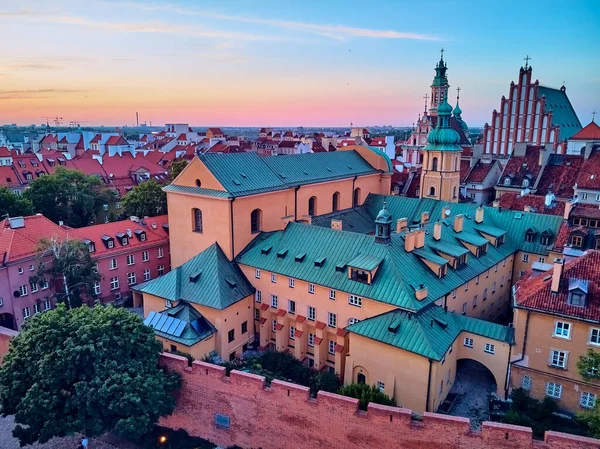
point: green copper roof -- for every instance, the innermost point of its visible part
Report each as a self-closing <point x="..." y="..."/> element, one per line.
<point x="196" y="191"/>
<point x="208" y="279"/>
<point x="247" y="173"/>
<point x="429" y="332"/>
<point x="449" y="249"/>
<point x="182" y="324"/>
<point x="365" y="262"/>
<point x="354" y="220"/>
<point x="440" y="78"/>
<point x="473" y="239"/>
<point x="490" y="230"/>
<point x="563" y="113"/>
<point x="430" y="256"/>
<point x="443" y="137"/>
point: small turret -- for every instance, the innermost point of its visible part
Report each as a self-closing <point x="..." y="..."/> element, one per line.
<point x="383" y="224"/>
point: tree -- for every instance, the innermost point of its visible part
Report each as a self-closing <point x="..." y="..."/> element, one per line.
<point x="13" y="205"/>
<point x="591" y="419"/>
<point x="68" y="261"/>
<point x="176" y="168"/>
<point x="87" y="370"/>
<point x="588" y="365"/>
<point x="365" y="394"/>
<point x="69" y="196"/>
<point x="146" y="199"/>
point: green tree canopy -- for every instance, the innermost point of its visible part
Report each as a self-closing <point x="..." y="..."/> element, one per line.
<point x="176" y="168"/>
<point x="147" y="199"/>
<point x="588" y="365"/>
<point x="13" y="205"/>
<point x="365" y="394"/>
<point x="70" y="262"/>
<point x="87" y="370"/>
<point x="69" y="196"/>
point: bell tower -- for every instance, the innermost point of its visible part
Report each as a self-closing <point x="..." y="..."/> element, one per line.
<point x="439" y="87"/>
<point x="440" y="175"/>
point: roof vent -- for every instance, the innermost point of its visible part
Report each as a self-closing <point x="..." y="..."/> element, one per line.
<point x="266" y="249"/>
<point x="282" y="253"/>
<point x="194" y="277"/>
<point x="237" y="182"/>
<point x="300" y="257"/>
<point x="232" y="283"/>
<point x="395" y="325"/>
<point x="320" y="261"/>
<point x="16" y="223"/>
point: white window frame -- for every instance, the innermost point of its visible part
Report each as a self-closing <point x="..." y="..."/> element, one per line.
<point x="311" y="316"/>
<point x="587" y="400"/>
<point x="331" y="347"/>
<point x="36" y="308"/>
<point x="160" y="252"/>
<point x="468" y="342"/>
<point x="597" y="331"/>
<point x="526" y="382"/>
<point x="273" y="278"/>
<point x="113" y="263"/>
<point x="381" y="386"/>
<point x="311" y="340"/>
<point x="562" y="329"/>
<point x="331" y="319"/>
<point x="292" y="333"/>
<point x="130" y="259"/>
<point x="311" y="289"/>
<point x="489" y="348"/>
<point x="34" y="287"/>
<point x="47" y="305"/>
<point x="145" y="256"/>
<point x="274" y="326"/>
<point x="559" y="358"/>
<point x="292" y="305"/>
<point x="258" y="296"/>
<point x="161" y="270"/>
<point x="525" y="258"/>
<point x="26" y="312"/>
<point x="130" y="278"/>
<point x="44" y="284"/>
<point x="96" y="287"/>
<point x="332" y="294"/>
<point x="146" y="274"/>
<point x="23" y="290"/>
<point x="554" y="390"/>
<point x="355" y="300"/>
<point x="291" y="283"/>
<point x="168" y="303"/>
<point x="114" y="283"/>
<point x="352" y="320"/>
<point x="257" y="274"/>
<point x="274" y="301"/>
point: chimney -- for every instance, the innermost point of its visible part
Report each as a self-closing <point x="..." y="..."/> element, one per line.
<point x="401" y="224"/>
<point x="527" y="209"/>
<point x="568" y="208"/>
<point x="458" y="223"/>
<point x="128" y="233"/>
<point x="421" y="292"/>
<point x="409" y="241"/>
<point x="424" y="217"/>
<point x="557" y="275"/>
<point x="437" y="231"/>
<point x="336" y="224"/>
<point x="479" y="215"/>
<point x="419" y="238"/>
<point x="496" y="204"/>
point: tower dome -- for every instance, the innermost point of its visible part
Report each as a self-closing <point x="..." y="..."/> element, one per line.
<point x="384" y="215"/>
<point x="383" y="224"/>
<point x="443" y="137"/>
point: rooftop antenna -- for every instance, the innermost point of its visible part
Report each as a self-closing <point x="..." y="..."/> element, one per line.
<point x="526" y="59"/>
<point x="593" y="115"/>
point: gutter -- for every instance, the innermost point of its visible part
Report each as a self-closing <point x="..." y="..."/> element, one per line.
<point x="296" y="203"/>
<point x="231" y="218"/>
<point x="352" y="194"/>
<point x="428" y="385"/>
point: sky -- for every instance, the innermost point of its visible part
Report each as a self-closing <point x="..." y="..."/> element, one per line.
<point x="285" y="63"/>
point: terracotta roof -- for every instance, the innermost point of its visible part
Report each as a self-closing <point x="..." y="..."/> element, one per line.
<point x="28" y="163"/>
<point x="317" y="147"/>
<point x="533" y="292"/>
<point x="479" y="171"/>
<point x="585" y="211"/>
<point x="560" y="174"/>
<point x="5" y="152"/>
<point x="96" y="138"/>
<point x="215" y="130"/>
<point x="63" y="140"/>
<point x="264" y="306"/>
<point x="162" y="133"/>
<point x="116" y="140"/>
<point x="515" y="201"/>
<point x="414" y="185"/>
<point x="8" y="177"/>
<point x="562" y="237"/>
<point x="520" y="167"/>
<point x="49" y="138"/>
<point x="465" y="166"/>
<point x="288" y="144"/>
<point x="80" y="145"/>
<point x="182" y="136"/>
<point x="590" y="132"/>
<point x="377" y="141"/>
<point x="155" y="233"/>
<point x="589" y="175"/>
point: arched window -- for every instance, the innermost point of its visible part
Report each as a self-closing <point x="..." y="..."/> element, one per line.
<point x="356" y="198"/>
<point x="431" y="191"/>
<point x="434" y="164"/>
<point x="421" y="158"/>
<point x="336" y="201"/>
<point x="197" y="220"/>
<point x="255" y="221"/>
<point x="312" y="206"/>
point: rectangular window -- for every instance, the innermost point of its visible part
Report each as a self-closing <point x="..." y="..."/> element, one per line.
<point x="292" y="333"/>
<point x="36" y="308"/>
<point x="526" y="382"/>
<point x="468" y="342"/>
<point x="454" y="294"/>
<point x="274" y="328"/>
<point x="331" y="347"/>
<point x="145" y="256"/>
<point x="257" y="274"/>
<point x="484" y="294"/>
<point x="381" y="386"/>
<point x="31" y="267"/>
<point x="97" y="287"/>
<point x="110" y="243"/>
<point x="595" y="336"/>
<point x="502" y="281"/>
<point x="292" y="282"/>
<point x="292" y="307"/>
<point x="332" y="294"/>
<point x="553" y="390"/>
<point x="587" y="400"/>
<point x="494" y="287"/>
<point x="312" y="313"/>
<point x="273" y="278"/>
<point x="130" y="278"/>
<point x="160" y="252"/>
<point x="477" y="280"/>
<point x="146" y="274"/>
<point x="257" y="314"/>
<point x="161" y="270"/>
<point x="118" y="205"/>
<point x="231" y="335"/>
<point x="258" y="296"/>
<point x="47" y="305"/>
<point x="466" y="286"/>
<point x="354" y="300"/>
<point x="26" y="312"/>
<point x="562" y="329"/>
<point x="474" y="301"/>
<point x="311" y="289"/>
<point x="114" y="283"/>
<point x="44" y="284"/>
<point x="34" y="287"/>
<point x="331" y="319"/>
<point x="489" y="348"/>
<point x="22" y="290"/>
<point x="464" y="308"/>
<point x="558" y="359"/>
<point x="311" y="340"/>
<point x="525" y="257"/>
<point x="130" y="259"/>
<point x="20" y="270"/>
<point x="274" y="301"/>
<point x="113" y="264"/>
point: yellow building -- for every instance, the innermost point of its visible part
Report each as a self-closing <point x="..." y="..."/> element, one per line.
<point x="557" y="320"/>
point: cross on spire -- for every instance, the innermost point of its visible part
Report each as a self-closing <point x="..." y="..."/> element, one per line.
<point x="426" y="97"/>
<point x="593" y="115"/>
<point x="457" y="93"/>
<point x="526" y="59"/>
<point x="442" y="53"/>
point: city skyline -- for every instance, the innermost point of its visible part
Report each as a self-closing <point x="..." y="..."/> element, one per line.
<point x="309" y="64"/>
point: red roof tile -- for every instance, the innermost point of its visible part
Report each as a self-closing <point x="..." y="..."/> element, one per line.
<point x="263" y="321"/>
<point x="116" y="140"/>
<point x="320" y="325"/>
<point x="585" y="211"/>
<point x="300" y="319"/>
<point x="465" y="166"/>
<point x="479" y="171"/>
<point x="8" y="177"/>
<point x="341" y="332"/>
<point x="281" y="312"/>
<point x="589" y="175"/>
<point x="515" y="201"/>
<point x="560" y="175"/>
<point x="5" y="152"/>
<point x="533" y="292"/>
<point x="182" y="136"/>
<point x="96" y="138"/>
<point x="590" y="132"/>
<point x="279" y="326"/>
<point x="215" y="130"/>
<point x="520" y="167"/>
<point x="339" y="348"/>
<point x="318" y="341"/>
<point x="299" y="333"/>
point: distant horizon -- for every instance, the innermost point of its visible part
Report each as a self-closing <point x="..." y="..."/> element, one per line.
<point x="267" y="64"/>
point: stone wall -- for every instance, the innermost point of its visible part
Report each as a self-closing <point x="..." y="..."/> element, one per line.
<point x="254" y="416"/>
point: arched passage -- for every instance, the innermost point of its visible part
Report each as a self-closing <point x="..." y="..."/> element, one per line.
<point x="8" y="321"/>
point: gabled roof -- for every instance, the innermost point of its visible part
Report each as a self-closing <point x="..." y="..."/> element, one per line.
<point x="563" y="113"/>
<point x="590" y="132"/>
<point x="182" y="324"/>
<point x="560" y="175"/>
<point x="589" y="175"/>
<point x="520" y="167"/>
<point x="479" y="172"/>
<point x="209" y="279"/>
<point x="5" y="152"/>
<point x="356" y="219"/>
<point x="247" y="173"/>
<point x="430" y="332"/>
<point x="534" y="291"/>
<point x="116" y="140"/>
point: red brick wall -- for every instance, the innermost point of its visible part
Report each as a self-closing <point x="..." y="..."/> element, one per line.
<point x="283" y="416"/>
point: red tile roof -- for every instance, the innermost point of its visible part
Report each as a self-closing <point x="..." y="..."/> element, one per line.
<point x="320" y="325"/>
<point x="116" y="140"/>
<point x="589" y="175"/>
<point x="585" y="211"/>
<point x="562" y="237"/>
<point x="281" y="312"/>
<point x="288" y="144"/>
<point x="519" y="167"/>
<point x="49" y="138"/>
<point x="560" y="174"/>
<point x="589" y="133"/>
<point x="377" y="141"/>
<point x="5" y="152"/>
<point x="182" y="136"/>
<point x="317" y="147"/>
<point x="80" y="145"/>
<point x="63" y="140"/>
<point x="264" y="306"/>
<point x="533" y="292"/>
<point x="415" y="185"/>
<point x="515" y="201"/>
<point x="465" y="166"/>
<point x="96" y="138"/>
<point x="215" y="130"/>
<point x="300" y="319"/>
<point x="8" y="177"/>
<point x="479" y="171"/>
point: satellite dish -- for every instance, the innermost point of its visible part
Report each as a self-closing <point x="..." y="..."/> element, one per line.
<point x="447" y="212"/>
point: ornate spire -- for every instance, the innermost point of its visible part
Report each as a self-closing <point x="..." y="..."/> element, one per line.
<point x="457" y="110"/>
<point x="443" y="137"/>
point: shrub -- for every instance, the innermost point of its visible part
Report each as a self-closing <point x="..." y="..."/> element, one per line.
<point x="365" y="394"/>
<point x="521" y="399"/>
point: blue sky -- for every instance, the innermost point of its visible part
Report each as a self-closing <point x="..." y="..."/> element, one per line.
<point x="285" y="63"/>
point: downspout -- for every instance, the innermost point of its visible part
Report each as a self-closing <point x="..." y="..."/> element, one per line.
<point x="231" y="218"/>
<point x="428" y="385"/>
<point x="296" y="203"/>
<point x="523" y="352"/>
<point x="352" y="196"/>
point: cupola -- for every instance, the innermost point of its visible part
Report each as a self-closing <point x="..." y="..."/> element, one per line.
<point x="383" y="224"/>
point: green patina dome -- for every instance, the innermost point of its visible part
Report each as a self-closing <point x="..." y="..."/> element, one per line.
<point x="444" y="108"/>
<point x="443" y="137"/>
<point x="457" y="111"/>
<point x="384" y="215"/>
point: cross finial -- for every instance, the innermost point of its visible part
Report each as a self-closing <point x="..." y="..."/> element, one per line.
<point x="527" y="58"/>
<point x="426" y="97"/>
<point x="442" y="52"/>
<point x="457" y="93"/>
<point x="593" y="115"/>
<point x="351" y="124"/>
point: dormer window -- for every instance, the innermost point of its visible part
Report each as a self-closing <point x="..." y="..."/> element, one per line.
<point x="359" y="275"/>
<point x="525" y="183"/>
<point x="507" y="181"/>
<point x="499" y="241"/>
<point x="482" y="250"/>
<point x="461" y="260"/>
<point x="108" y="241"/>
<point x="578" y="289"/>
<point x="141" y="235"/>
<point x="110" y="244"/>
<point x="124" y="241"/>
<point x="530" y="235"/>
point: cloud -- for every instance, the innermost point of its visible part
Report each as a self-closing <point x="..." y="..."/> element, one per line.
<point x="33" y="93"/>
<point x="327" y="30"/>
